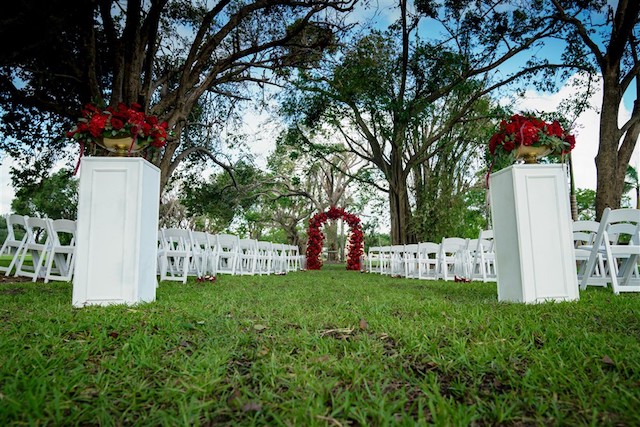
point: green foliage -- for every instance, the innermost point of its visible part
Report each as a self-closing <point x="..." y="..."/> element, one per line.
<point x="318" y="348"/>
<point x="218" y="199"/>
<point x="586" y="202"/>
<point x="54" y="197"/>
<point x="444" y="214"/>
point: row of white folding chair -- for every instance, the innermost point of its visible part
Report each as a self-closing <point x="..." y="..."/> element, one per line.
<point x="52" y="255"/>
<point x="182" y="253"/>
<point x="620" y="258"/>
<point x="452" y="257"/>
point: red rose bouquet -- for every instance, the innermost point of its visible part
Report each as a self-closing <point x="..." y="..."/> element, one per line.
<point x="529" y="131"/>
<point x="119" y="122"/>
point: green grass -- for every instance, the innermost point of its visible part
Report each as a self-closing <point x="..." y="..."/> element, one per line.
<point x="318" y="348"/>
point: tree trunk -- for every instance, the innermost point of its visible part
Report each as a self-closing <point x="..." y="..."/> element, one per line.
<point x="400" y="211"/>
<point x="331" y="240"/>
<point x="607" y="157"/>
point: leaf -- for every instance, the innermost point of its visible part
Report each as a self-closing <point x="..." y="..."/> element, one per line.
<point x="363" y="324"/>
<point x="259" y="327"/>
<point x="608" y="361"/>
<point x="114" y="334"/>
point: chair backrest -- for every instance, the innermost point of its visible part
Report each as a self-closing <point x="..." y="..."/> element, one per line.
<point x="621" y="232"/>
<point x="63" y="232"/>
<point x="584" y="232"/>
<point x="294" y="251"/>
<point x="472" y="245"/>
<point x="396" y="250"/>
<point x="16" y="227"/>
<point x="411" y="248"/>
<point x="199" y="242"/>
<point x="610" y="218"/>
<point x="278" y="249"/>
<point x="38" y="230"/>
<point x="212" y="242"/>
<point x="176" y="239"/>
<point x="451" y="245"/>
<point x="428" y="250"/>
<point x="264" y="247"/>
<point x="227" y="242"/>
<point x="248" y="245"/>
<point x="199" y="238"/>
<point x="624" y="222"/>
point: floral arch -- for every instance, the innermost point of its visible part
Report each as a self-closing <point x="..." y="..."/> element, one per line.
<point x="316" y="238"/>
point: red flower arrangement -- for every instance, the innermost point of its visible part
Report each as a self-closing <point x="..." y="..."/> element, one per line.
<point x="119" y="122"/>
<point x="533" y="132"/>
<point x="316" y="238"/>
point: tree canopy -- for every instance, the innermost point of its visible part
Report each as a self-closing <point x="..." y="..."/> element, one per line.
<point x="166" y="55"/>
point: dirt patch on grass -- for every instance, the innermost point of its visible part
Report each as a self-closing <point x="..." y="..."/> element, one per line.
<point x="7" y="280"/>
<point x="11" y="291"/>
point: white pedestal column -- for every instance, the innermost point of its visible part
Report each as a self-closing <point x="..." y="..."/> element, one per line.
<point x="117" y="235"/>
<point x="533" y="234"/>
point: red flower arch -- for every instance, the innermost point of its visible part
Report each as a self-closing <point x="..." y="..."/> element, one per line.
<point x="316" y="238"/>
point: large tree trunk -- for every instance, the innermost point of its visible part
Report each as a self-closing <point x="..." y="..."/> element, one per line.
<point x="331" y="240"/>
<point x="613" y="154"/>
<point x="400" y="211"/>
<point x="608" y="190"/>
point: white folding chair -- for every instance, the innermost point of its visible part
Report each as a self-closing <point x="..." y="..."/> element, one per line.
<point x="247" y="256"/>
<point x="396" y="256"/>
<point x="175" y="254"/>
<point x="385" y="260"/>
<point x="37" y="245"/>
<point x="293" y="257"/>
<point x="622" y="234"/>
<point x="16" y="237"/>
<point x="451" y="250"/>
<point x="228" y="250"/>
<point x="373" y="259"/>
<point x="61" y="257"/>
<point x="428" y="260"/>
<point x="584" y="234"/>
<point x="199" y="253"/>
<point x="483" y="264"/>
<point x="264" y="257"/>
<point x="621" y="259"/>
<point x="278" y="263"/>
<point x="212" y="251"/>
<point x="410" y="259"/>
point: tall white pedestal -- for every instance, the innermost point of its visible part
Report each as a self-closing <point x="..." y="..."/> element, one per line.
<point x="533" y="234"/>
<point x="117" y="235"/>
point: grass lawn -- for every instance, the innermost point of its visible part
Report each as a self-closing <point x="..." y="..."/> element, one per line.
<point x="327" y="347"/>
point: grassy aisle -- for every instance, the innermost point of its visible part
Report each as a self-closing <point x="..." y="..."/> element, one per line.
<point x="318" y="348"/>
